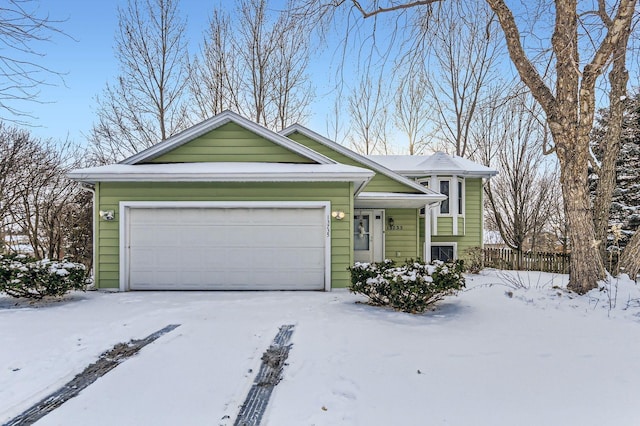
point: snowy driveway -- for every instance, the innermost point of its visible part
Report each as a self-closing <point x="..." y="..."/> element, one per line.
<point x="483" y="358"/>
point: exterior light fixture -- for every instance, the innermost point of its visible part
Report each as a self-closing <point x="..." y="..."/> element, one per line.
<point x="390" y="221"/>
<point x="337" y="214"/>
<point x="107" y="214"/>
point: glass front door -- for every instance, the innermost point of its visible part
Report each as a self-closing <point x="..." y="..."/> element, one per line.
<point x="368" y="235"/>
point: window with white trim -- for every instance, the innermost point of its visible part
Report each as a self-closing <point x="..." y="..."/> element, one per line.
<point x="460" y="197"/>
<point x="444" y="252"/>
<point x="448" y="207"/>
<point x="444" y="185"/>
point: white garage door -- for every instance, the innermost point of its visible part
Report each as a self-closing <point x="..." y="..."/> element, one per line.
<point x="226" y="248"/>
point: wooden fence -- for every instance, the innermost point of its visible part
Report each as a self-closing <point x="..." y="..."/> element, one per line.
<point x="526" y="261"/>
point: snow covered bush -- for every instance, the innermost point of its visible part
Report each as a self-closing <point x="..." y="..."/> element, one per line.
<point x="413" y="287"/>
<point x="23" y="276"/>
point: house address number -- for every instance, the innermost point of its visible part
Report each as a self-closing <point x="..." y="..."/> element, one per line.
<point x="394" y="228"/>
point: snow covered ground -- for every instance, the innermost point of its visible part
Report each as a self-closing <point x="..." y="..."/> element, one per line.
<point x="510" y="350"/>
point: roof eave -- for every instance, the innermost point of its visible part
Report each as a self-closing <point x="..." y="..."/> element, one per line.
<point x="93" y="178"/>
<point x="355" y="156"/>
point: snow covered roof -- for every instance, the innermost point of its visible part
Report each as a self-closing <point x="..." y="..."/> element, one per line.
<point x="435" y="164"/>
<point x="374" y="165"/>
<point x="215" y="122"/>
<point x="223" y="172"/>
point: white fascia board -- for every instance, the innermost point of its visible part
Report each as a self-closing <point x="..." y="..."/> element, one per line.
<point x="355" y="156"/>
<point x="218" y="177"/>
<point x="215" y="122"/>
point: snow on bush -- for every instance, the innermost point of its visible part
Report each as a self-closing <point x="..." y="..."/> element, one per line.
<point x="23" y="276"/>
<point x="413" y="287"/>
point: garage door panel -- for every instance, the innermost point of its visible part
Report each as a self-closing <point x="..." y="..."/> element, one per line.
<point x="227" y="248"/>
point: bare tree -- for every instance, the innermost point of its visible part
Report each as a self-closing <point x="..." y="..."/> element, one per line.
<point x="215" y="75"/>
<point x="367" y="109"/>
<point x="37" y="197"/>
<point x="520" y="197"/>
<point x="460" y="60"/>
<point x="16" y="150"/>
<point x="583" y="40"/>
<point x="411" y="113"/>
<point x="23" y="29"/>
<point x="254" y="62"/>
<point x="145" y="104"/>
<point x="610" y="144"/>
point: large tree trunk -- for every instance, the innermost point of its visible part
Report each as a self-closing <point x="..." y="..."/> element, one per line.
<point x="586" y="266"/>
<point x="630" y="259"/>
<point x="610" y="146"/>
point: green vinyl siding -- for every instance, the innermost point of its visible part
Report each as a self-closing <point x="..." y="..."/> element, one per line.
<point x="469" y="226"/>
<point x="109" y="195"/>
<point x="445" y="225"/>
<point x="379" y="183"/>
<point x="402" y="244"/>
<point x="230" y="143"/>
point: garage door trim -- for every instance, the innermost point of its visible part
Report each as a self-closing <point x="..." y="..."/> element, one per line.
<point x="126" y="206"/>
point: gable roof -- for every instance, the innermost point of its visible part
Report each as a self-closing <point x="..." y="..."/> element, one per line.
<point x="373" y="165"/>
<point x="435" y="164"/>
<point x="215" y="122"/>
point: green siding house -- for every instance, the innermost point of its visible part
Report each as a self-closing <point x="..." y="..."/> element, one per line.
<point x="231" y="205"/>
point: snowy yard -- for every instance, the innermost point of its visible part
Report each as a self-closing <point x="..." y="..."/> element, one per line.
<point x="494" y="355"/>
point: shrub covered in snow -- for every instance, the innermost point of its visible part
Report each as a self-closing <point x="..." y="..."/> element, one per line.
<point x="23" y="276"/>
<point x="412" y="287"/>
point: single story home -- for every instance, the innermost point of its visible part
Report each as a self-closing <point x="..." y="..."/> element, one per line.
<point x="231" y="205"/>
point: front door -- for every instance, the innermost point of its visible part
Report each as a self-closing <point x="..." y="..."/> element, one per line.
<point x="368" y="238"/>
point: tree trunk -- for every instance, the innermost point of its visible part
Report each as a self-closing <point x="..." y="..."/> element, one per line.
<point x="610" y="146"/>
<point x="586" y="266"/>
<point x="630" y="259"/>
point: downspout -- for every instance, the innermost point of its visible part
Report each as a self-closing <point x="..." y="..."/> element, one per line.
<point x="89" y="187"/>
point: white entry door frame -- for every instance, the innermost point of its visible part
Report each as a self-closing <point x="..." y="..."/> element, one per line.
<point x="368" y="238"/>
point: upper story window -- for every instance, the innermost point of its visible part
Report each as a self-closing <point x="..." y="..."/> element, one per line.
<point x="444" y="186"/>
<point x="460" y="196"/>
<point x="444" y="190"/>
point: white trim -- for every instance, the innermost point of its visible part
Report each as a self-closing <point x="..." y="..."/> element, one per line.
<point x="434" y="220"/>
<point x="355" y="156"/>
<point x="454" y="245"/>
<point x="125" y="232"/>
<point x="215" y="122"/>
<point x="427" y="234"/>
<point x="223" y="172"/>
<point x="453" y="203"/>
<point x="383" y="200"/>
<point x="94" y="225"/>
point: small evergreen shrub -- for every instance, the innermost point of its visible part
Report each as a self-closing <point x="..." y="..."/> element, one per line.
<point x="24" y="276"/>
<point x="413" y="287"/>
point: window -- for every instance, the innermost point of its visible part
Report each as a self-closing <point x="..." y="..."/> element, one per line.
<point x="444" y="190"/>
<point x="424" y="183"/>
<point x="443" y="253"/>
<point x="460" y="197"/>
